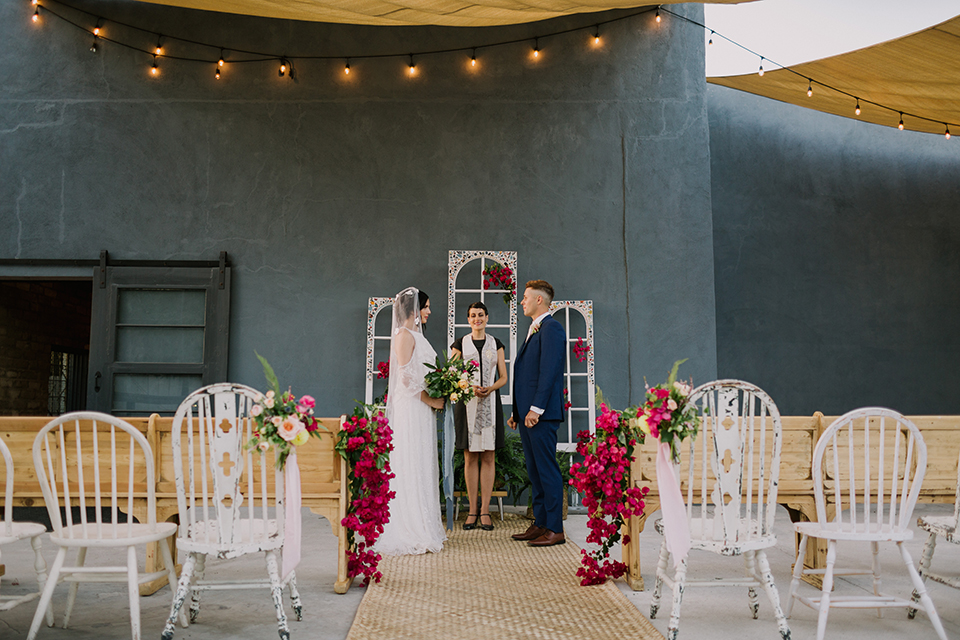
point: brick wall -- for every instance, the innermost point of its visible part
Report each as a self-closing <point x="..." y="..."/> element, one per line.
<point x="36" y="317"/>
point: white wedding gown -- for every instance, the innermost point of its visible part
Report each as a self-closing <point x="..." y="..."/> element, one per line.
<point x="415" y="524"/>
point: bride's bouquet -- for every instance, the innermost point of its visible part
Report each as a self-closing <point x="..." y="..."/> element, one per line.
<point x="450" y="378"/>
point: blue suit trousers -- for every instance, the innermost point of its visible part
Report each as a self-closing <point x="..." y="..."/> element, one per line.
<point x="539" y="450"/>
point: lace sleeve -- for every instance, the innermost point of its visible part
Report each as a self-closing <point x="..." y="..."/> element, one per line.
<point x="410" y="378"/>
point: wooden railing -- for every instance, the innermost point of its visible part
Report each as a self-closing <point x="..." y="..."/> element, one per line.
<point x="323" y="479"/>
<point x="800" y="434"/>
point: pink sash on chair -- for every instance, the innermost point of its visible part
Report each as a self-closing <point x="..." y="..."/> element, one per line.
<point x="676" y="529"/>
<point x="291" y="516"/>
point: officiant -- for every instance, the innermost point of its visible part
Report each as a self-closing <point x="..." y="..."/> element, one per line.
<point x="479" y="422"/>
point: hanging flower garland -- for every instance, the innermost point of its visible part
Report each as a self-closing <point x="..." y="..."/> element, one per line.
<point x="497" y="276"/>
<point x="365" y="442"/>
<point x="603" y="479"/>
<point x="581" y="349"/>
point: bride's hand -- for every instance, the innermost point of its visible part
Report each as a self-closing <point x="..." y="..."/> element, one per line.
<point x="436" y="403"/>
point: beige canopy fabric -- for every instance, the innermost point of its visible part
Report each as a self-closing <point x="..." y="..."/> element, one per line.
<point x="451" y="13"/>
<point x="918" y="74"/>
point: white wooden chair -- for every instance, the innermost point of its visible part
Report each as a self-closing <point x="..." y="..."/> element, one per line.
<point x="946" y="528"/>
<point x="98" y="464"/>
<point x="230" y="498"/>
<point x="11" y="532"/>
<point x="729" y="477"/>
<point x="867" y="470"/>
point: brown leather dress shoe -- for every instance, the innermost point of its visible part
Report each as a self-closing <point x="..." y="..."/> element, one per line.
<point x="548" y="539"/>
<point x="532" y="533"/>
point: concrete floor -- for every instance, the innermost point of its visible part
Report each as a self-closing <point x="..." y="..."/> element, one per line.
<point x="102" y="610"/>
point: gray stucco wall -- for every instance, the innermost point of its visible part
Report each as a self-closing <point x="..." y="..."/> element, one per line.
<point x="593" y="164"/>
<point x="837" y="250"/>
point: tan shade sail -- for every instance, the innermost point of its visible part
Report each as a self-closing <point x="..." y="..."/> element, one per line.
<point x="451" y="13"/>
<point x="918" y="74"/>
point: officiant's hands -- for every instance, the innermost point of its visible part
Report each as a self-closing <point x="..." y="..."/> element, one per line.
<point x="512" y="423"/>
<point x="482" y="392"/>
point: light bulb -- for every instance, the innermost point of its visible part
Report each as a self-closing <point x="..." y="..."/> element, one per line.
<point x="94" y="47"/>
<point x="346" y="68"/>
<point x="413" y="69"/>
<point x="760" y="72"/>
<point x="36" y="15"/>
<point x="154" y="70"/>
<point x="900" y="126"/>
<point x="96" y="30"/>
<point x="159" y="50"/>
<point x="283" y="68"/>
<point x="220" y="61"/>
<point x="857" y="109"/>
<point x="217" y="73"/>
<point x="946" y="134"/>
<point x="658" y="15"/>
<point x="473" y="61"/>
<point x="710" y="41"/>
<point x="536" y="48"/>
<point x="810" y="89"/>
<point x="35" y="2"/>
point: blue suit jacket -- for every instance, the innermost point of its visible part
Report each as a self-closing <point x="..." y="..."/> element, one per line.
<point x="538" y="373"/>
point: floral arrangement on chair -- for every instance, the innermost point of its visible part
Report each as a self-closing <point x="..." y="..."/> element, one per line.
<point x="666" y="414"/>
<point x="603" y="479"/>
<point x="281" y="420"/>
<point x="365" y="442"/>
<point x="450" y="378"/>
<point x="497" y="276"/>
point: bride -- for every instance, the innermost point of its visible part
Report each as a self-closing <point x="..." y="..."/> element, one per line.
<point x="415" y="525"/>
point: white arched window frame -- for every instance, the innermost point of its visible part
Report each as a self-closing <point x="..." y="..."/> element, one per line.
<point x="374" y="307"/>
<point x="457" y="261"/>
<point x="580" y="416"/>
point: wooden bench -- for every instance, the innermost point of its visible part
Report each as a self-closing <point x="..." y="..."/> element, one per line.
<point x="323" y="476"/>
<point x="795" y="491"/>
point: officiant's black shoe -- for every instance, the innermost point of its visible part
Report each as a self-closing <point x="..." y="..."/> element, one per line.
<point x="532" y="533"/>
<point x="486" y="527"/>
<point x="470" y="526"/>
<point x="548" y="539"/>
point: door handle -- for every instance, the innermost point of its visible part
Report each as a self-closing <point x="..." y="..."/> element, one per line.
<point x="96" y="381"/>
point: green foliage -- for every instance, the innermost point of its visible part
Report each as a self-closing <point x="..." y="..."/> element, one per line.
<point x="269" y="374"/>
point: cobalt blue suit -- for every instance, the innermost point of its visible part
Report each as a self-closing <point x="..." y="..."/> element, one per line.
<point x="538" y="381"/>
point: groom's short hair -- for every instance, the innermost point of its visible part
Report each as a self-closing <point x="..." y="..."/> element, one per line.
<point x="543" y="287"/>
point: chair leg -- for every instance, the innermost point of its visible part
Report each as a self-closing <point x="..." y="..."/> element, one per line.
<point x="875" y="548"/>
<point x="199" y="572"/>
<point x="133" y="589"/>
<point x="658" y="584"/>
<point x="74" y="587"/>
<point x="500" y="507"/>
<point x="797" y="573"/>
<point x="47" y="594"/>
<point x="276" y="589"/>
<point x="40" y="567"/>
<point x="925" y="558"/>
<point x="171" y="568"/>
<point x="766" y="579"/>
<point x="919" y="587"/>
<point x="827" y="588"/>
<point x="679" y="581"/>
<point x="183" y="587"/>
<point x="750" y="567"/>
<point x="295" y="596"/>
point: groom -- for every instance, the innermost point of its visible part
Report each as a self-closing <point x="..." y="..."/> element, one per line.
<point x="538" y="410"/>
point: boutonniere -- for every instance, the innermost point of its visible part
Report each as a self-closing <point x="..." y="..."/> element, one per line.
<point x="536" y="329"/>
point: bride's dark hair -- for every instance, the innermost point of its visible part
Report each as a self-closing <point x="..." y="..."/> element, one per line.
<point x="423" y="299"/>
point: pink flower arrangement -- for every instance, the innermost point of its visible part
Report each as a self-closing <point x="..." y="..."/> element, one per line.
<point x="666" y="415"/>
<point x="365" y="442"/>
<point x="383" y="370"/>
<point x="497" y="276"/>
<point x="280" y="420"/>
<point x="581" y="349"/>
<point x="603" y="479"/>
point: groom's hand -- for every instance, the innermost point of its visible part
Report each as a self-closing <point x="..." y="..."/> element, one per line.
<point x="532" y="419"/>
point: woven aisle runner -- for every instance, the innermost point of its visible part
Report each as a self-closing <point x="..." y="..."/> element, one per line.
<point x="486" y="585"/>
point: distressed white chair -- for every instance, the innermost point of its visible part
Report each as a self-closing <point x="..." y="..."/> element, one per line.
<point x="98" y="465"/>
<point x="729" y="477"/>
<point x="946" y="528"/>
<point x="867" y="470"/>
<point x="230" y="498"/>
<point x="11" y="532"/>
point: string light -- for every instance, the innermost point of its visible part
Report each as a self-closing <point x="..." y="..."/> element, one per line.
<point x="36" y="14"/>
<point x="857" y="109"/>
<point x="536" y="48"/>
<point x="658" y="15"/>
<point x="809" y="88"/>
<point x="346" y="67"/>
<point x="596" y="35"/>
<point x="154" y="70"/>
<point x="220" y="61"/>
<point x="711" y="37"/>
<point x="900" y="126"/>
<point x="93" y="46"/>
<point x="946" y="133"/>
<point x="96" y="29"/>
<point x="159" y="50"/>
<point x="283" y="67"/>
<point x="760" y="72"/>
<point x="413" y="67"/>
<point x="216" y="74"/>
<point x="35" y="2"/>
<point x="473" y="58"/>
